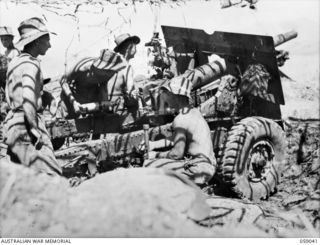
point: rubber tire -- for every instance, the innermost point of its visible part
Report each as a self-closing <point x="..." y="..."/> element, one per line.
<point x="233" y="167"/>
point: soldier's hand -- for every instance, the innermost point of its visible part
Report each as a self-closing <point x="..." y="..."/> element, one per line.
<point x="137" y="93"/>
<point x="75" y="181"/>
<point x="142" y="146"/>
<point x="78" y="108"/>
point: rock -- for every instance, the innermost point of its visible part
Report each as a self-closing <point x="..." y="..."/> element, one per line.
<point x="312" y="205"/>
<point x="294" y="171"/>
<point x="293" y="200"/>
<point x="315" y="166"/>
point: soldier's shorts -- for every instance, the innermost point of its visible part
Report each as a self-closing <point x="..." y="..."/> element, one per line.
<point x="21" y="147"/>
<point x="199" y="170"/>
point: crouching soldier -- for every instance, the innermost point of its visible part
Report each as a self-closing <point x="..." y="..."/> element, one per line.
<point x="192" y="150"/>
<point x="24" y="129"/>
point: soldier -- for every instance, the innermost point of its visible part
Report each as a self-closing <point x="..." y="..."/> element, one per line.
<point x="24" y="129"/>
<point x="120" y="88"/>
<point x="106" y="78"/>
<point x="192" y="152"/>
<point x="6" y="36"/>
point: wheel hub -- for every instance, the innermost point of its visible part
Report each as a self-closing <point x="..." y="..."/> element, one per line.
<point x="260" y="160"/>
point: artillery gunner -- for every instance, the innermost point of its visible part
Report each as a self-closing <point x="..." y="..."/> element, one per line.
<point x="106" y="80"/>
<point x="192" y="152"/>
<point x="120" y="87"/>
<point x="24" y="129"/>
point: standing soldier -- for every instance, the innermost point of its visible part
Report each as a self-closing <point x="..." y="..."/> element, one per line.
<point x="120" y="88"/>
<point x="106" y="78"/>
<point x="6" y="36"/>
<point x="24" y="129"/>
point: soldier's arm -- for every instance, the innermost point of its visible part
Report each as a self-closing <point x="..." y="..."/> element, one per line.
<point x="29" y="104"/>
<point x="129" y="79"/>
<point x="179" y="141"/>
<point x="178" y="149"/>
<point x="132" y="91"/>
<point x="65" y="87"/>
<point x="159" y="144"/>
<point x="64" y="82"/>
<point x="131" y="94"/>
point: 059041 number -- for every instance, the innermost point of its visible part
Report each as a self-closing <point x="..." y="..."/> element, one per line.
<point x="308" y="240"/>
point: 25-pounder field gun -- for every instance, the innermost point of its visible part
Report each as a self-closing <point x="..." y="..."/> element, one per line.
<point x="239" y="97"/>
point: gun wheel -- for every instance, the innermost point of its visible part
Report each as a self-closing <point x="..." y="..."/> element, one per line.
<point x="252" y="158"/>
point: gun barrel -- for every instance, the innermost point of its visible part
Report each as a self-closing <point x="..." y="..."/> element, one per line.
<point x="206" y="73"/>
<point x="95" y="106"/>
<point x="285" y="37"/>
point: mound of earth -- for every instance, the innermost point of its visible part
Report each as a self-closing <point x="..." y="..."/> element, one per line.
<point x="127" y="203"/>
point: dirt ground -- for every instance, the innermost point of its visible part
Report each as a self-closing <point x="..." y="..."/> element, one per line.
<point x="299" y="188"/>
